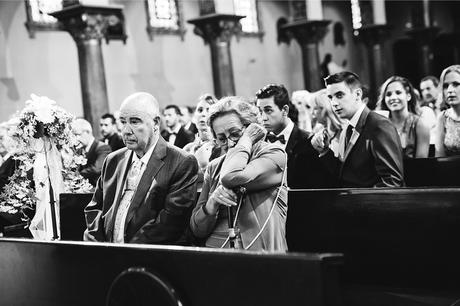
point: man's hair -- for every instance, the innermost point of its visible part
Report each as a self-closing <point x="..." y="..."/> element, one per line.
<point x="431" y="78"/>
<point x="82" y="124"/>
<point x="109" y="116"/>
<point x="278" y="92"/>
<point x="351" y="79"/>
<point x="280" y="98"/>
<point x="175" y="107"/>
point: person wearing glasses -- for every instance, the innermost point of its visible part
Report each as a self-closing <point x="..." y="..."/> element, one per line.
<point x="250" y="163"/>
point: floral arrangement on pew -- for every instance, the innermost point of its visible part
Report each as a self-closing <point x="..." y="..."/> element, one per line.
<point x="46" y="153"/>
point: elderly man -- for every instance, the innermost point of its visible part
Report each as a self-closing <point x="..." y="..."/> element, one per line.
<point x="96" y="151"/>
<point x="147" y="190"/>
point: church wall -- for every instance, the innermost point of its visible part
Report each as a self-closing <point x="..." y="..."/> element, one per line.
<point x="173" y="70"/>
<point x="46" y="65"/>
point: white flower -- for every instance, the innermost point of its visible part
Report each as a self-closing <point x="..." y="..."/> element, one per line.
<point x="42" y="107"/>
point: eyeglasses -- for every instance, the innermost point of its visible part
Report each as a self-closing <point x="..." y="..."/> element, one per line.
<point x="234" y="136"/>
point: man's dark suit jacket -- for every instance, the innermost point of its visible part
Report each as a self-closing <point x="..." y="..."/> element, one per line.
<point x="192" y="128"/>
<point x="373" y="157"/>
<point x="94" y="160"/>
<point x="304" y="167"/>
<point x="115" y="142"/>
<point x="183" y="137"/>
<point x="161" y="206"/>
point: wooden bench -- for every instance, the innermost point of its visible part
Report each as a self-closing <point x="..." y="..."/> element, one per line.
<point x="393" y="238"/>
<point x="435" y="172"/>
<point x="58" y="273"/>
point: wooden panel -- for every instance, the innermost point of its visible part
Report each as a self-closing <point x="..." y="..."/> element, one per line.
<point x="57" y="273"/>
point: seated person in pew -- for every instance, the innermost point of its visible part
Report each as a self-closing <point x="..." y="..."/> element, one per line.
<point x="249" y="162"/>
<point x="147" y="190"/>
<point x="370" y="152"/>
<point x="304" y="170"/>
<point x="398" y="97"/>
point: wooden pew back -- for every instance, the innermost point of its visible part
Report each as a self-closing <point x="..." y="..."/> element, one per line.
<point x="58" y="273"/>
<point x="396" y="237"/>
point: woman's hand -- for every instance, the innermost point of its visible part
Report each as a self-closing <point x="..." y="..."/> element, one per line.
<point x="254" y="132"/>
<point x="221" y="196"/>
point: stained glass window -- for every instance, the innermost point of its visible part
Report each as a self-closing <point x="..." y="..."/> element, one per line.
<point x="248" y="8"/>
<point x="39" y="10"/>
<point x="356" y="16"/>
<point x="38" y="18"/>
<point x="164" y="16"/>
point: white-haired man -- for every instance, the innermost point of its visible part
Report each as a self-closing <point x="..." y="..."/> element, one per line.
<point x="147" y="190"/>
<point x="95" y="151"/>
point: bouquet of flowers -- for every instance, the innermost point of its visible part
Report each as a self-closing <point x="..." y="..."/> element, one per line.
<point x="42" y="128"/>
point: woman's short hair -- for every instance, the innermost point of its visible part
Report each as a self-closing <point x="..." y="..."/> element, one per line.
<point x="247" y="112"/>
<point x="412" y="104"/>
<point x="452" y="68"/>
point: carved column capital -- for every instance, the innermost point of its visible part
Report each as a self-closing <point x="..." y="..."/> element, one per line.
<point x="374" y="34"/>
<point x="217" y="27"/>
<point x="85" y="22"/>
<point x="307" y="31"/>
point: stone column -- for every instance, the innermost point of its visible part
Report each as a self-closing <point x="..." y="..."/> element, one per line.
<point x="373" y="37"/>
<point x="424" y="38"/>
<point x="217" y="31"/>
<point x="87" y="25"/>
<point x="308" y="33"/>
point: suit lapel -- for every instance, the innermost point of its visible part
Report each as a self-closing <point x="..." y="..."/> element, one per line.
<point x="153" y="166"/>
<point x="292" y="141"/>
<point x="356" y="132"/>
<point x="91" y="152"/>
<point x="122" y="171"/>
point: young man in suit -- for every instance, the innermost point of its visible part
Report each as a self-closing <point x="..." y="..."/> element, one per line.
<point x="186" y="119"/>
<point x="96" y="151"/>
<point x="303" y="168"/>
<point x="370" y="153"/>
<point x="109" y="132"/>
<point x="175" y="133"/>
<point x="148" y="189"/>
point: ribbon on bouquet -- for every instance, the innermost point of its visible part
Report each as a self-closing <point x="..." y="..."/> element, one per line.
<point x="47" y="168"/>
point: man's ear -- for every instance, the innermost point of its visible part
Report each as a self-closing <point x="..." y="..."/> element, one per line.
<point x="285" y="110"/>
<point x="359" y="93"/>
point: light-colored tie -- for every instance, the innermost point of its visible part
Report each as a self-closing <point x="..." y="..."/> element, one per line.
<point x="130" y="188"/>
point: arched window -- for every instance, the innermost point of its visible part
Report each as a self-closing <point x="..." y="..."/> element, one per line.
<point x="356" y="16"/>
<point x="38" y="18"/>
<point x="247" y="8"/>
<point x="164" y="17"/>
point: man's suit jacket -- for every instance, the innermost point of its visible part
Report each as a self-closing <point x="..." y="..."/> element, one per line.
<point x="115" y="142"/>
<point x="192" y="128"/>
<point x="304" y="167"/>
<point x="94" y="160"/>
<point x="373" y="156"/>
<point x="161" y="206"/>
<point x="183" y="137"/>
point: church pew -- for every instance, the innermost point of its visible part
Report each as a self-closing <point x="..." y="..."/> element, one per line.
<point x="78" y="273"/>
<point x="436" y="172"/>
<point x="392" y="238"/>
